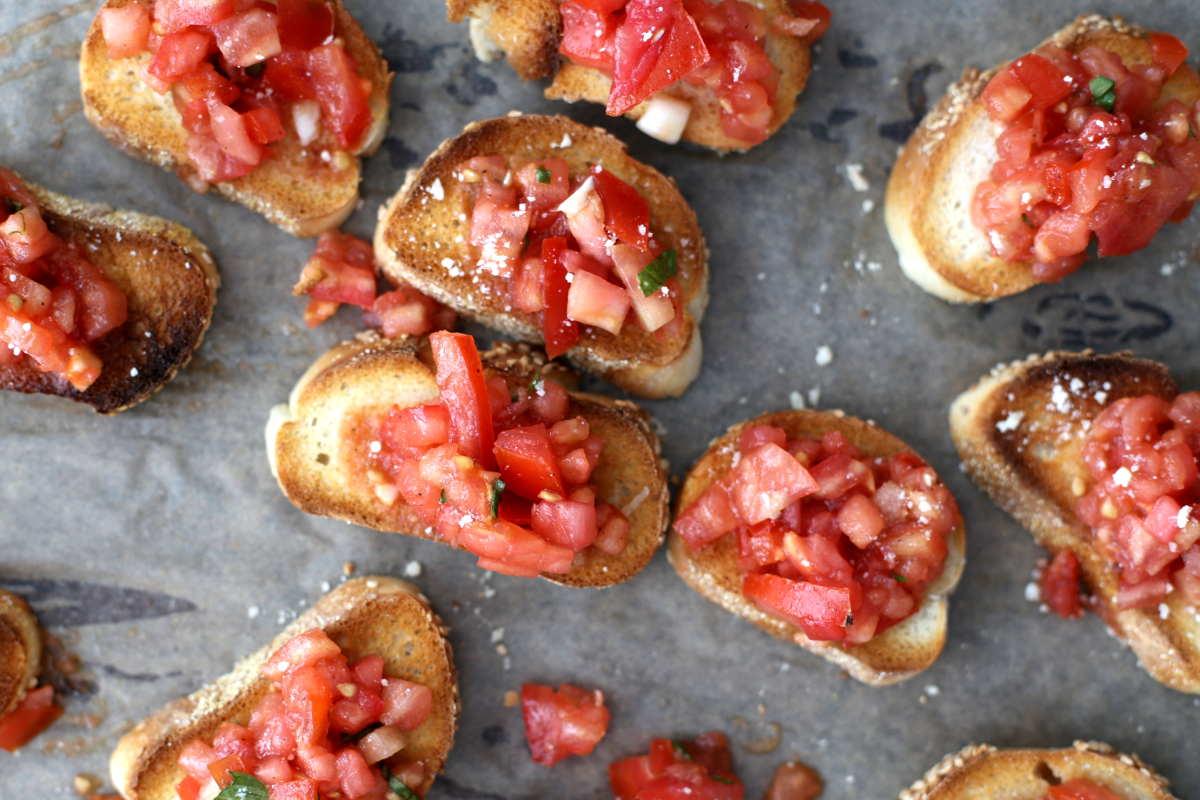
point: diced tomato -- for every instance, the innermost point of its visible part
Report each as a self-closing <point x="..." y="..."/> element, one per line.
<point x="180" y="53"/>
<point x="626" y="213"/>
<point x="175" y="15"/>
<point x="814" y="10"/>
<point x="340" y="92"/>
<point x="230" y="132"/>
<point x="527" y="463"/>
<point x="299" y="789"/>
<point x="765" y="481"/>
<point x="657" y="44"/>
<point x="699" y="770"/>
<point x="509" y="544"/>
<point x="543" y="195"/>
<point x="337" y="281"/>
<point x="464" y="394"/>
<point x="407" y="704"/>
<point x="287" y="73"/>
<point x="560" y="332"/>
<point x="565" y="523"/>
<point x="305" y="24"/>
<point x="822" y="612"/>
<point x="1005" y="96"/>
<point x="248" y="38"/>
<point x="304" y="650"/>
<point x="710" y="516"/>
<point x="1060" y="585"/>
<point x="516" y="509"/>
<point x="1079" y="789"/>
<point x="1167" y="51"/>
<point x="1046" y="83"/>
<point x="263" y="126"/>
<point x="31" y="716"/>
<point x="594" y="301"/>
<point x="653" y="312"/>
<point x="569" y="721"/>
<point x="126" y="30"/>
<point x="588" y="34"/>
<point x="415" y="427"/>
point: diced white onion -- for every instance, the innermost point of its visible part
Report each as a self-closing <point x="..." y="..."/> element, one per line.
<point x="575" y="203"/>
<point x="665" y="118"/>
<point x="382" y="743"/>
<point x="306" y="115"/>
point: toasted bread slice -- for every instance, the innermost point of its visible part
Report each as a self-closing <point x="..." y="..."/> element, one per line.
<point x="933" y="184"/>
<point x="422" y="240"/>
<point x="20" y="651"/>
<point x="305" y="189"/>
<point x="982" y="771"/>
<point x="365" y="615"/>
<point x="899" y="652"/>
<point x="170" y="283"/>
<point x="355" y="384"/>
<point x="1020" y="433"/>
<point x="529" y="33"/>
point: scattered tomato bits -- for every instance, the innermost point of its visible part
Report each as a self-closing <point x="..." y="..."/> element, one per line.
<point x="1059" y="585"/>
<point x="31" y="716"/>
<point x="794" y="780"/>
<point x="342" y="270"/>
<point x="236" y="71"/>
<point x="54" y="303"/>
<point x="1141" y="456"/>
<point x="325" y="728"/>
<point x="1086" y="149"/>
<point x="563" y="722"/>
<point x="699" y="769"/>
<point x="836" y="543"/>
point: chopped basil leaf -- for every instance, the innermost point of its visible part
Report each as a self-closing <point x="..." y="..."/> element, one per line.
<point x="721" y="780"/>
<point x="681" y="751"/>
<point x="21" y="214"/>
<point x="1145" y="35"/>
<point x="1025" y="219"/>
<point x="543" y="174"/>
<point x="1102" y="92"/>
<point x="255" y="69"/>
<point x="15" y="206"/>
<point x="513" y="396"/>
<point x="442" y="499"/>
<point x="537" y="378"/>
<point x="396" y="785"/>
<point x="497" y="489"/>
<point x="244" y="787"/>
<point x="899" y="577"/>
<point x="658" y="272"/>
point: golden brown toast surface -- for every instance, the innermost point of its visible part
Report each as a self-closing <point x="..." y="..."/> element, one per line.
<point x="1020" y="433"/>
<point x="20" y="650"/>
<point x="933" y="184"/>
<point x="422" y="240"/>
<point x="365" y="615"/>
<point x="346" y="394"/>
<point x="299" y="190"/>
<point x="170" y="283"/>
<point x="983" y="772"/>
<point x="899" y="652"/>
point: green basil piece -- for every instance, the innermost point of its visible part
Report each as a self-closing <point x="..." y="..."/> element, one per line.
<point x="15" y="206"/>
<point x="1103" y="93"/>
<point x="725" y="781"/>
<point x="899" y="577"/>
<point x="497" y="490"/>
<point x="256" y="69"/>
<point x="681" y="751"/>
<point x="537" y="378"/>
<point x="658" y="272"/>
<point x="543" y="174"/>
<point x="396" y="785"/>
<point x="244" y="787"/>
<point x="1025" y="219"/>
<point x="442" y="499"/>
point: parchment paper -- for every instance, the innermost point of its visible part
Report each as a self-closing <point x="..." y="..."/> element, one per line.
<point x="157" y="545"/>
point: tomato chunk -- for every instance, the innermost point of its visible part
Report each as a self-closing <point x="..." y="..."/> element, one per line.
<point x="32" y="716"/>
<point x="527" y="462"/>
<point x="464" y="394"/>
<point x="569" y="721"/>
<point x="822" y="612"/>
<point x="658" y="44"/>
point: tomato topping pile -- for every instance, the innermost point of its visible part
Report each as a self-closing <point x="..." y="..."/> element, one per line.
<point x="1079" y="789"/>
<point x="31" y="716"/>
<point x="1141" y="456"/>
<point x="1085" y="151"/>
<point x="501" y="471"/>
<point x="325" y="727"/>
<point x="575" y="251"/>
<point x="838" y="544"/>
<point x="647" y="45"/>
<point x="701" y="769"/>
<point x="342" y="270"/>
<point x="562" y="723"/>
<point x="237" y="69"/>
<point x="54" y="302"/>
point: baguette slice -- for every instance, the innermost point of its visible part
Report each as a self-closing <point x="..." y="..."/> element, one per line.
<point x="932" y="186"/>
<point x="299" y="190"/>
<point x="1020" y="434"/>
<point x="20" y="651"/>
<point x="895" y="655"/>
<point x="366" y="615"/>
<point x="980" y="772"/>
<point x="170" y="283"/>
<point x="355" y="384"/>
<point x="529" y="33"/>
<point x="422" y="240"/>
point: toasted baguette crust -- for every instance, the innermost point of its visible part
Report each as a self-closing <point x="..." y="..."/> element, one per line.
<point x="1020" y="433"/>
<point x="932" y="186"/>
<point x="170" y="283"/>
<point x="899" y="652"/>
<point x="298" y="190"/>
<point x="20" y="651"/>
<point x="366" y="615"/>
<point x="529" y="33"/>
<point x="354" y="385"/>
<point x="416" y="233"/>
<point x="983" y="771"/>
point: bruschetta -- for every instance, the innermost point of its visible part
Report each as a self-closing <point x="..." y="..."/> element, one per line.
<point x="825" y="531"/>
<point x="301" y="714"/>
<point x="1008" y="179"/>
<point x="548" y="231"/>
<point x="271" y="106"/>
<point x="1084" y="771"/>
<point x="487" y="452"/>
<point x="100" y="306"/>
<point x="25" y="709"/>
<point x="724" y="76"/>
<point x="1043" y="438"/>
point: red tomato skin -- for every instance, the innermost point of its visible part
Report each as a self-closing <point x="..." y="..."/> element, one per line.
<point x="340" y="92"/>
<point x="561" y="333"/>
<point x="1060" y="585"/>
<point x="560" y="723"/>
<point x="822" y="612"/>
<point x="305" y="24"/>
<point x="815" y="10"/>
<point x="708" y="518"/>
<point x="32" y="716"/>
<point x="645" y="64"/>
<point x="565" y="523"/>
<point x="526" y="462"/>
<point x="1079" y="789"/>
<point x="464" y="394"/>
<point x="1167" y="51"/>
<point x="626" y="213"/>
<point x="516" y="509"/>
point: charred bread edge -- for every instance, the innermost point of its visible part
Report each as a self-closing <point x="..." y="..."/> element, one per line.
<point x="143" y="765"/>
<point x="517" y="363"/>
<point x="881" y="661"/>
<point x="1025" y="774"/>
<point x="1163" y="647"/>
<point x="20" y="651"/>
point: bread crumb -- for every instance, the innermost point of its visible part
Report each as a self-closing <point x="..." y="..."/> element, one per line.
<point x="854" y="174"/>
<point x="85" y="784"/>
<point x="511" y="699"/>
<point x="348" y="568"/>
<point x="501" y="649"/>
